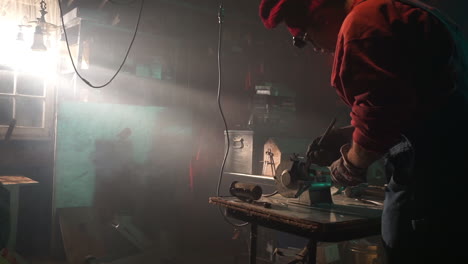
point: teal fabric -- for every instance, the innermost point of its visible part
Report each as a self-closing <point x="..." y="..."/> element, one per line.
<point x="79" y="126"/>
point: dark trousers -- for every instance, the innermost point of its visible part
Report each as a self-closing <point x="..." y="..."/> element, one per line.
<point x="427" y="190"/>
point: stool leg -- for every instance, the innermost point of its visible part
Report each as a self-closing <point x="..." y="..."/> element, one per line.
<point x="253" y="243"/>
<point x="312" y="248"/>
<point x="14" y="203"/>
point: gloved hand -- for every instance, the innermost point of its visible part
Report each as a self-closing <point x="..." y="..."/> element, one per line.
<point x="344" y="173"/>
<point x="329" y="150"/>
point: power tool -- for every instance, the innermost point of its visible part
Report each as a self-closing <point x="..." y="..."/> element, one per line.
<point x="301" y="178"/>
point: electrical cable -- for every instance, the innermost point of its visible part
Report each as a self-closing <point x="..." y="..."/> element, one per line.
<point x="121" y="65"/>
<point x="270" y="194"/>
<point x="228" y="143"/>
<point x="129" y="2"/>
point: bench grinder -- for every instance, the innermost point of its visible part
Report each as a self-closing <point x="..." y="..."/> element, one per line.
<point x="308" y="182"/>
<point x="300" y="178"/>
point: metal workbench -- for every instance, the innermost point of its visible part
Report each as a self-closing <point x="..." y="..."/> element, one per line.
<point x="344" y="220"/>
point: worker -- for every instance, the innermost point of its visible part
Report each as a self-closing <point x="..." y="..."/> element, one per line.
<point x="399" y="66"/>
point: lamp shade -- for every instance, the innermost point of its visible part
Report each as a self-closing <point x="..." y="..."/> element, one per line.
<point x="38" y="43"/>
<point x="20" y="36"/>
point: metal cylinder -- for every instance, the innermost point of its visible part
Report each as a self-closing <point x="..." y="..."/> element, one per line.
<point x="245" y="191"/>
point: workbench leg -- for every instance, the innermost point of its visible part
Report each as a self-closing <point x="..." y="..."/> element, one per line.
<point x="14" y="204"/>
<point x="253" y="243"/>
<point x="312" y="251"/>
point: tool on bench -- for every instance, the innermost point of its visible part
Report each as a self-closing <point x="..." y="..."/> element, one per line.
<point x="302" y="179"/>
<point x="248" y="192"/>
<point x="366" y="193"/>
<point x="245" y="191"/>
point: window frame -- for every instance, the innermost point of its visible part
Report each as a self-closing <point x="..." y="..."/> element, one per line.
<point x="33" y="133"/>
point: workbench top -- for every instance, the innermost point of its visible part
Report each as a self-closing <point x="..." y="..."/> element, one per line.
<point x="16" y="180"/>
<point x="342" y="220"/>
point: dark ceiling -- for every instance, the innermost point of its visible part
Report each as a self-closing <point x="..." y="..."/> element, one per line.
<point x="193" y="17"/>
<point x="236" y="10"/>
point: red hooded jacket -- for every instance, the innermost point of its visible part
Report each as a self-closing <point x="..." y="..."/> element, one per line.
<point x="392" y="67"/>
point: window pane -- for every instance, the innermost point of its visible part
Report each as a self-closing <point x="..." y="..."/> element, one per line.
<point x="29" y="112"/>
<point x="6" y="81"/>
<point x="6" y="110"/>
<point x="29" y="84"/>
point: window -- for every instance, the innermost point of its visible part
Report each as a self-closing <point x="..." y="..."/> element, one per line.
<point x="27" y="78"/>
<point x="25" y="96"/>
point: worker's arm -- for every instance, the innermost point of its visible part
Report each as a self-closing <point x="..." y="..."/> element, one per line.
<point x="382" y="103"/>
<point x="351" y="168"/>
<point x="329" y="149"/>
<point x="361" y="157"/>
<point x="371" y="76"/>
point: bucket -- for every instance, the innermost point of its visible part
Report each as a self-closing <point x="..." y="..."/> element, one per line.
<point x="364" y="251"/>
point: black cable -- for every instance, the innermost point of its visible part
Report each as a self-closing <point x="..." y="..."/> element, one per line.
<point x="129" y="2"/>
<point x="270" y="194"/>
<point x="124" y="60"/>
<point x="228" y="141"/>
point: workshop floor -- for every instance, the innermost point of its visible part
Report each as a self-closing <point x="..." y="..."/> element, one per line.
<point x="143" y="260"/>
<point x="45" y="261"/>
<point x="194" y="256"/>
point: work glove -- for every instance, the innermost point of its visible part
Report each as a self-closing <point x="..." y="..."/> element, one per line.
<point x="329" y="150"/>
<point x="344" y="173"/>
